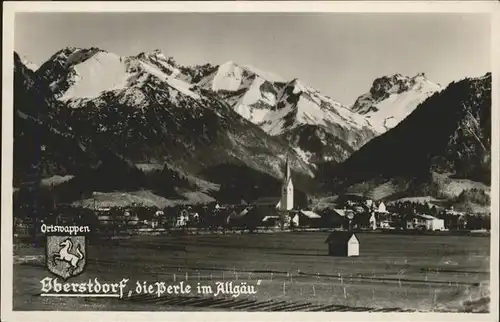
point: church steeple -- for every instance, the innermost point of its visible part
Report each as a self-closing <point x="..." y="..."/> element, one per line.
<point x="287" y="199"/>
<point x="288" y="172"/>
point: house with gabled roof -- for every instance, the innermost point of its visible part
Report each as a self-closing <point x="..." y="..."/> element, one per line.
<point x="306" y="218"/>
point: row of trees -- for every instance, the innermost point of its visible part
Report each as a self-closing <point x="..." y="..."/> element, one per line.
<point x="410" y="208"/>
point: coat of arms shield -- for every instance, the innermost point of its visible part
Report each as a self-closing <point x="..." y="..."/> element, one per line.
<point x="66" y="255"/>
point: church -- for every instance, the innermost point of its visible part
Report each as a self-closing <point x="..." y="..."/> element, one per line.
<point x="286" y="199"/>
<point x="288" y="204"/>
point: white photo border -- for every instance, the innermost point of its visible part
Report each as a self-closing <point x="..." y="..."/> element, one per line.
<point x="9" y="10"/>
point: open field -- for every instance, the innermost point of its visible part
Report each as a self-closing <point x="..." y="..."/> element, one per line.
<point x="292" y="270"/>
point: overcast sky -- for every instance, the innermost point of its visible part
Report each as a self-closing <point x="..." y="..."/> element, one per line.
<point x="340" y="54"/>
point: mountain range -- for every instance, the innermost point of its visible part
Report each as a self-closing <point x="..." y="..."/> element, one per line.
<point x="89" y="110"/>
<point x="439" y="150"/>
<point x="141" y="107"/>
<point x="316" y="126"/>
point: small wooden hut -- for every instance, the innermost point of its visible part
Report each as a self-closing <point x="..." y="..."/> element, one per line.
<point x="343" y="243"/>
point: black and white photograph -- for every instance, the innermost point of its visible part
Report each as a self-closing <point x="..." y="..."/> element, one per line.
<point x="250" y="161"/>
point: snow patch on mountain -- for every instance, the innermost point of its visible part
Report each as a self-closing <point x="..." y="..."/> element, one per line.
<point x="392" y="98"/>
<point x="300" y="104"/>
<point x="233" y="77"/>
<point x="255" y="95"/>
<point x="297" y="87"/>
<point x="91" y="73"/>
<point x="304" y="155"/>
<point x="102" y="72"/>
<point x="179" y="85"/>
<point x="396" y="107"/>
<point x="30" y="65"/>
<point x="133" y="96"/>
<point x="227" y="77"/>
<point x="159" y="60"/>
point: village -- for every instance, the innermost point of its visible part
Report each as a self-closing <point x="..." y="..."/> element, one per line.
<point x="270" y="214"/>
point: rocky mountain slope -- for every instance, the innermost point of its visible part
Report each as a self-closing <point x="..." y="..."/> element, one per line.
<point x="42" y="144"/>
<point x="52" y="162"/>
<point x="318" y="127"/>
<point x="445" y="141"/>
<point x="392" y="98"/>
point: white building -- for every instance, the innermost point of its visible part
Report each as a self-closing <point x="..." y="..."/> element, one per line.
<point x="343" y="243"/>
<point x="304" y="218"/>
<point x="433" y="223"/>
<point x="286" y="202"/>
<point x="381" y="208"/>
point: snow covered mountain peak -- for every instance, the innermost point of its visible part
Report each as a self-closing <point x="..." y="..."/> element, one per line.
<point x="298" y="87"/>
<point x="266" y="75"/>
<point x="228" y="63"/>
<point x="30" y="65"/>
<point x="392" y="98"/>
<point x="420" y="75"/>
<point x="231" y="76"/>
<point x="305" y="105"/>
<point x="156" y="54"/>
<point x="228" y="77"/>
<point x="102" y="71"/>
<point x="289" y="108"/>
<point x="159" y="60"/>
<point x="75" y="53"/>
<point x="75" y="73"/>
<point x="383" y="87"/>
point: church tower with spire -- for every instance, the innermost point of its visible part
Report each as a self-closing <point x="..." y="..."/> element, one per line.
<point x="286" y="202"/>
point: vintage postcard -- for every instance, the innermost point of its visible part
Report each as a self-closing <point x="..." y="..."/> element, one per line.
<point x="189" y="161"/>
